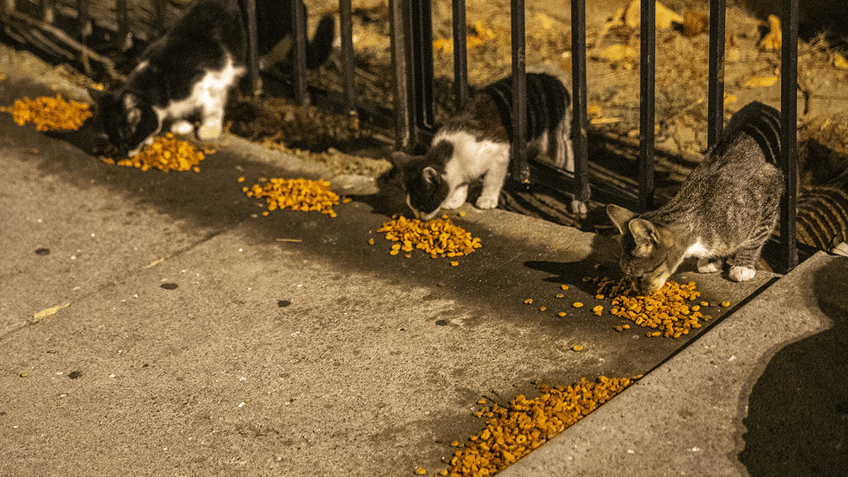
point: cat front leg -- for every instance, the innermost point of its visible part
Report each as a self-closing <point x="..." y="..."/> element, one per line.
<point x="211" y="126"/>
<point x="457" y="198"/>
<point x="182" y="127"/>
<point x="493" y="181"/>
<point x="743" y="266"/>
<point x="710" y="265"/>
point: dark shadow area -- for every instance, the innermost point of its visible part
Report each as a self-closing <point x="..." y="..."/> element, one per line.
<point x="798" y="409"/>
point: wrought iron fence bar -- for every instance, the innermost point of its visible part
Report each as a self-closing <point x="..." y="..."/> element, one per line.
<point x="252" y="47"/>
<point x="301" y="94"/>
<point x="789" y="128"/>
<point x="399" y="31"/>
<point x="519" y="169"/>
<point x="346" y="33"/>
<point x="460" y="54"/>
<point x="122" y="18"/>
<point x="160" y="12"/>
<point x="647" y="105"/>
<point x="579" y="125"/>
<point x="422" y="66"/>
<point x="715" y="94"/>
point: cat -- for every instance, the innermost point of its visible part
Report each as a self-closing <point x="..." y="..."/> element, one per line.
<point x="726" y="208"/>
<point x="190" y="70"/>
<point x="475" y="143"/>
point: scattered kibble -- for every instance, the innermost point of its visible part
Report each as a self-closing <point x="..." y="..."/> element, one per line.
<point x="513" y="431"/>
<point x="371" y="241"/>
<point x="438" y="237"/>
<point x="453" y="263"/>
<point x="725" y="304"/>
<point x="562" y="313"/>
<point x="420" y="471"/>
<point x="666" y="310"/>
<point x="577" y="305"/>
<point x="298" y="194"/>
<point x="528" y="301"/>
<point x="167" y="153"/>
<point x="564" y="287"/>
<point x="577" y="348"/>
<point x="48" y="113"/>
<point x="543" y="308"/>
<point x="598" y="310"/>
<point x="560" y="295"/>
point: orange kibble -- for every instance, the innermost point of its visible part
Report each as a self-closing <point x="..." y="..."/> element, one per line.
<point x="528" y="301"/>
<point x="577" y="348"/>
<point x="577" y="305"/>
<point x="562" y="313"/>
<point x="725" y="304"/>
<point x="454" y="263"/>
<point x="49" y="114"/>
<point x="564" y="287"/>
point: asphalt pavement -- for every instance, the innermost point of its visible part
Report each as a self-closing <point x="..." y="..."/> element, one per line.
<point x="158" y="324"/>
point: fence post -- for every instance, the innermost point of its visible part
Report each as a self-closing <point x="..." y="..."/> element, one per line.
<point x="789" y="129"/>
<point x="647" y="105"/>
<point x="519" y="168"/>
<point x="298" y="10"/>
<point x="346" y="33"/>
<point x="715" y="95"/>
<point x="579" y="140"/>
<point x="400" y="52"/>
<point x="460" y="54"/>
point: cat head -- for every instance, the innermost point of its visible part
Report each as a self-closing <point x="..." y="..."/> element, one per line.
<point x="424" y="179"/>
<point x="648" y="255"/>
<point x="127" y="119"/>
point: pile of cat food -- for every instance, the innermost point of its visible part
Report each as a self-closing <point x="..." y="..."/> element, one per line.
<point x="166" y="154"/>
<point x="49" y="114"/>
<point x="669" y="310"/>
<point x="298" y="194"/>
<point x="437" y="237"/>
<point x="512" y="432"/>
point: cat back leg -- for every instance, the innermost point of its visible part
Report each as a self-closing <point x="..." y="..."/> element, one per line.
<point x="564" y="149"/>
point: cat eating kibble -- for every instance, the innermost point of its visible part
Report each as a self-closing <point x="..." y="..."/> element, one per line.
<point x="726" y="208"/>
<point x="476" y="143"/>
<point x="191" y="69"/>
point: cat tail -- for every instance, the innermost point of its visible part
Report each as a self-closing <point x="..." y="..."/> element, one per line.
<point x="319" y="48"/>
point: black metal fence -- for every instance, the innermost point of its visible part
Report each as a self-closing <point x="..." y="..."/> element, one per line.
<point x="411" y="46"/>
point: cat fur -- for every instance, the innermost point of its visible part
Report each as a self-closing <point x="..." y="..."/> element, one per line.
<point x="726" y="208"/>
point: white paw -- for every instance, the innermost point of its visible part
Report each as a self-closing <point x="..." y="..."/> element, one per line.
<point x="742" y="274"/>
<point x="182" y="127"/>
<point x="484" y="202"/>
<point x="579" y="207"/>
<point x="705" y="265"/>
<point x="207" y="132"/>
<point x="453" y="203"/>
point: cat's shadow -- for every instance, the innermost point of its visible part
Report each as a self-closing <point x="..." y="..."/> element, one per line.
<point x="601" y="261"/>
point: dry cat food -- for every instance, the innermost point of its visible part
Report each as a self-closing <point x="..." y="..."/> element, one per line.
<point x="166" y="154"/>
<point x="48" y="113"/>
<point x="298" y="194"/>
<point x="512" y="432"/>
<point x="438" y="237"/>
<point x="669" y="310"/>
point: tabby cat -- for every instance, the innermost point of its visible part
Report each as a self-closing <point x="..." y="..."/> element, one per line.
<point x="476" y="143"/>
<point x="726" y="208"/>
<point x="190" y="70"/>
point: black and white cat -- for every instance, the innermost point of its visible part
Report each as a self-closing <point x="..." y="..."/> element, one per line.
<point x="726" y="208"/>
<point x="476" y="143"/>
<point x="190" y="70"/>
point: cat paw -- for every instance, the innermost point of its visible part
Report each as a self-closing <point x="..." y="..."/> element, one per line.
<point x="487" y="202"/>
<point x="579" y="207"/>
<point x="207" y="132"/>
<point x="182" y="127"/>
<point x="453" y="203"/>
<point x="705" y="265"/>
<point x="742" y="274"/>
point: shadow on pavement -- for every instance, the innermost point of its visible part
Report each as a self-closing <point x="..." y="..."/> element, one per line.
<point x="798" y="409"/>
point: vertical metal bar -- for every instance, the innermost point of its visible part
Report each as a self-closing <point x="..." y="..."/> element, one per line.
<point x="647" y="105"/>
<point x="520" y="170"/>
<point x="252" y="47"/>
<point x="421" y="17"/>
<point x="460" y="54"/>
<point x="346" y="27"/>
<point x="579" y="140"/>
<point x="715" y="100"/>
<point x="301" y="95"/>
<point x="399" y="30"/>
<point x="789" y="128"/>
<point x="83" y="20"/>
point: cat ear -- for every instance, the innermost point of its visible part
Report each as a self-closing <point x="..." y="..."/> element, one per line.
<point x="620" y="217"/>
<point x="430" y="175"/>
<point x="646" y="236"/>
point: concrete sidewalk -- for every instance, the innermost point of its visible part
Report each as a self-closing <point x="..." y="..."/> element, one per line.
<point x="192" y="336"/>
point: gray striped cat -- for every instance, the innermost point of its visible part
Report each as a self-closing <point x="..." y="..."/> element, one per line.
<point x="726" y="208"/>
<point x="476" y="143"/>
